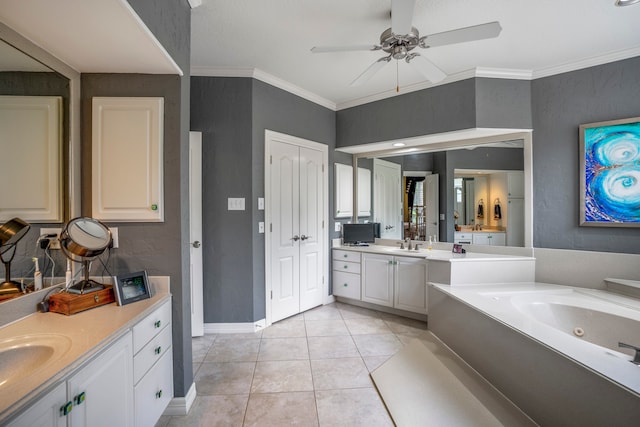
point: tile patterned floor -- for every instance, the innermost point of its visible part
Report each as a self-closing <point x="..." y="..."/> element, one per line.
<point x="308" y="370"/>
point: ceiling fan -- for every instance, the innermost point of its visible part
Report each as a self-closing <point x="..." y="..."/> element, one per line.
<point x="400" y="40"/>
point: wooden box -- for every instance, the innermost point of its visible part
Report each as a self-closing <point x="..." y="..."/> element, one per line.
<point x="68" y="304"/>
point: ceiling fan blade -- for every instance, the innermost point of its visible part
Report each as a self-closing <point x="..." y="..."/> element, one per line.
<point x="461" y="35"/>
<point x="427" y="68"/>
<point x="325" y="49"/>
<point x="402" y="16"/>
<point x="369" y="72"/>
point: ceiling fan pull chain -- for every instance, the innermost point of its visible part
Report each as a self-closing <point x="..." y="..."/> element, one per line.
<point x="397" y="79"/>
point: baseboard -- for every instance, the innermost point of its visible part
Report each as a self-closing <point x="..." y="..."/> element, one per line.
<point x="182" y="405"/>
<point x="234" y="328"/>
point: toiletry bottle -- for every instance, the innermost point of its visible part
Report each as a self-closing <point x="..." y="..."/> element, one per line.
<point x="67" y="275"/>
<point x="430" y="244"/>
<point x="37" y="276"/>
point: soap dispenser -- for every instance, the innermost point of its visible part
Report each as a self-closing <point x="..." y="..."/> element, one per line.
<point x="430" y="244"/>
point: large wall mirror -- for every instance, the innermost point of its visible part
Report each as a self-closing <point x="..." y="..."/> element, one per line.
<point x="418" y="191"/>
<point x="29" y="71"/>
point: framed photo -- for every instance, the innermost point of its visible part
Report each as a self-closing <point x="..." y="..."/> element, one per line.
<point x="458" y="249"/>
<point x="610" y="173"/>
<point x="131" y="287"/>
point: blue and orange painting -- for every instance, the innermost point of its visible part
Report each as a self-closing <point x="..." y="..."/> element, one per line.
<point x="612" y="174"/>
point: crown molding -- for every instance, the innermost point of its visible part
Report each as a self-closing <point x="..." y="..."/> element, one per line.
<point x="482" y="72"/>
<point x="587" y="62"/>
<point x="263" y="77"/>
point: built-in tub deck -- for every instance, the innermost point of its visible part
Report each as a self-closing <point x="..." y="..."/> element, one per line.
<point x="568" y="351"/>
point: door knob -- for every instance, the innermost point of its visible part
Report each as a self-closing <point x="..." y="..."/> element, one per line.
<point x="295" y="238"/>
<point x="303" y="237"/>
<point x="195" y="244"/>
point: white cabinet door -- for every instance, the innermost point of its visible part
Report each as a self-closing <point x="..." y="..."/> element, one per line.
<point x="343" y="190"/>
<point x="127" y="153"/>
<point x="102" y="391"/>
<point x="377" y="279"/>
<point x="411" y="284"/>
<point x="481" y="239"/>
<point x="154" y="392"/>
<point x="46" y="412"/>
<point x="30" y="143"/>
<point x="498" y="239"/>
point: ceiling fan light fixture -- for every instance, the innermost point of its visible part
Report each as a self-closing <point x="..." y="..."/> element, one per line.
<point x="621" y="3"/>
<point x="398" y="144"/>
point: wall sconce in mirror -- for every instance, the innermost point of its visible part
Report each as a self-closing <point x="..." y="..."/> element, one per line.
<point x="82" y="240"/>
<point x="10" y="234"/>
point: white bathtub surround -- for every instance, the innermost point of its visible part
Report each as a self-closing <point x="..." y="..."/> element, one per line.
<point x="514" y="337"/>
<point x="584" y="268"/>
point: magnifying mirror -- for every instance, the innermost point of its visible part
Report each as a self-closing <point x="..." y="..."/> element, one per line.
<point x="82" y="240"/>
<point x="10" y="233"/>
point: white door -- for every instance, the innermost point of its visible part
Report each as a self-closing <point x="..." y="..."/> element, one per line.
<point x="295" y="214"/>
<point x="432" y="207"/>
<point x="195" y="233"/>
<point x="386" y="199"/>
<point x="311" y="233"/>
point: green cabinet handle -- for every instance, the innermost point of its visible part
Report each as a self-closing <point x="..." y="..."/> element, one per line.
<point x="157" y="324"/>
<point x="158" y="350"/>
<point x="79" y="398"/>
<point x="346" y="266"/>
<point x="346" y="256"/>
<point x="158" y="394"/>
<point x="345" y="285"/>
<point x="66" y="409"/>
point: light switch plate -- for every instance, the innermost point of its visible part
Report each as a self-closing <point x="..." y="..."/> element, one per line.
<point x="337" y="226"/>
<point x="441" y="217"/>
<point x="261" y="227"/>
<point x="114" y="237"/>
<point x="235" y="203"/>
<point x="260" y="203"/>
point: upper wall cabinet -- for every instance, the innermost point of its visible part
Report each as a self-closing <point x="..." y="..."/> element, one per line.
<point x="127" y="168"/>
<point x="344" y="191"/>
<point x="30" y="135"/>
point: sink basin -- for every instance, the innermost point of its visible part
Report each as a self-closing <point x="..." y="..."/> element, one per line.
<point x="23" y="355"/>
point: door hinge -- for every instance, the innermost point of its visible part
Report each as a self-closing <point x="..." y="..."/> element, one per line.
<point x="323" y="223"/>
<point x="270" y="160"/>
<point x="271" y="294"/>
<point x="323" y="167"/>
<point x="323" y="280"/>
<point x="270" y="227"/>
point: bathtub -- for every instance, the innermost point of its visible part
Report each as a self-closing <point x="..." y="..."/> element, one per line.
<point x="541" y="344"/>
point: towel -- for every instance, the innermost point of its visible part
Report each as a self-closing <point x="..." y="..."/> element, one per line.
<point x="497" y="212"/>
<point x="480" y="211"/>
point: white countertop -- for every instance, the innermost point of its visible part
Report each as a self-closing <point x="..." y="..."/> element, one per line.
<point x="88" y="332"/>
<point x="432" y="255"/>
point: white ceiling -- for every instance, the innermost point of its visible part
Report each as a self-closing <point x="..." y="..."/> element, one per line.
<point x="271" y="40"/>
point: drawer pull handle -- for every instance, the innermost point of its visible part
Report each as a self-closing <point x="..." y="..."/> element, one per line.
<point x="65" y="409"/>
<point x="346" y="256"/>
<point x="158" y="350"/>
<point x="345" y="267"/>
<point x="157" y="323"/>
<point x="79" y="398"/>
<point x="158" y="394"/>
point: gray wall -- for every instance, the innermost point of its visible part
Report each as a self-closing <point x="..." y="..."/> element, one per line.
<point x="233" y="114"/>
<point x="560" y="104"/>
<point x="553" y="107"/>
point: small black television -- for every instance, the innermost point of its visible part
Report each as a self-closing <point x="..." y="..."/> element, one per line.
<point x="358" y="233"/>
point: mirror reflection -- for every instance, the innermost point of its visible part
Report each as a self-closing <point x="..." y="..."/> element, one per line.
<point x="478" y="190"/>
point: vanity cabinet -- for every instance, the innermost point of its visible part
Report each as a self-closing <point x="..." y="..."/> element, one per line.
<point x="392" y="281"/>
<point x="129" y="383"/>
<point x="127" y="152"/>
<point x="152" y="366"/>
<point x="491" y="239"/>
<point x="346" y="274"/>
<point x="99" y="394"/>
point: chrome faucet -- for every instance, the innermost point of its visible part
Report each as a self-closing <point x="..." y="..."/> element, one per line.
<point x="636" y="358"/>
<point x="408" y="242"/>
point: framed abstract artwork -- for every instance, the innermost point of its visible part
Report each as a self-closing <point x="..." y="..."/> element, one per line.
<point x="610" y="173"/>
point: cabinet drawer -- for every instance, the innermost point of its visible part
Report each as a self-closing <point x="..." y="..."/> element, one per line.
<point x="463" y="236"/>
<point x="346" y="256"/>
<point x="154" y="392"/>
<point x="346" y="285"/>
<point x="346" y="267"/>
<point x="151" y="353"/>
<point x="151" y="326"/>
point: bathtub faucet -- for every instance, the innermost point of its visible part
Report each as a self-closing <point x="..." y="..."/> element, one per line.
<point x="636" y="359"/>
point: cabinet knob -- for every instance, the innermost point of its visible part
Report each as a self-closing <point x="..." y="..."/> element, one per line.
<point x="154" y="207"/>
<point x="79" y="398"/>
<point x="157" y="323"/>
<point x="346" y="256"/>
<point x="158" y="350"/>
<point x="345" y="285"/>
<point x="158" y="394"/>
<point x="65" y="409"/>
<point x="346" y="266"/>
